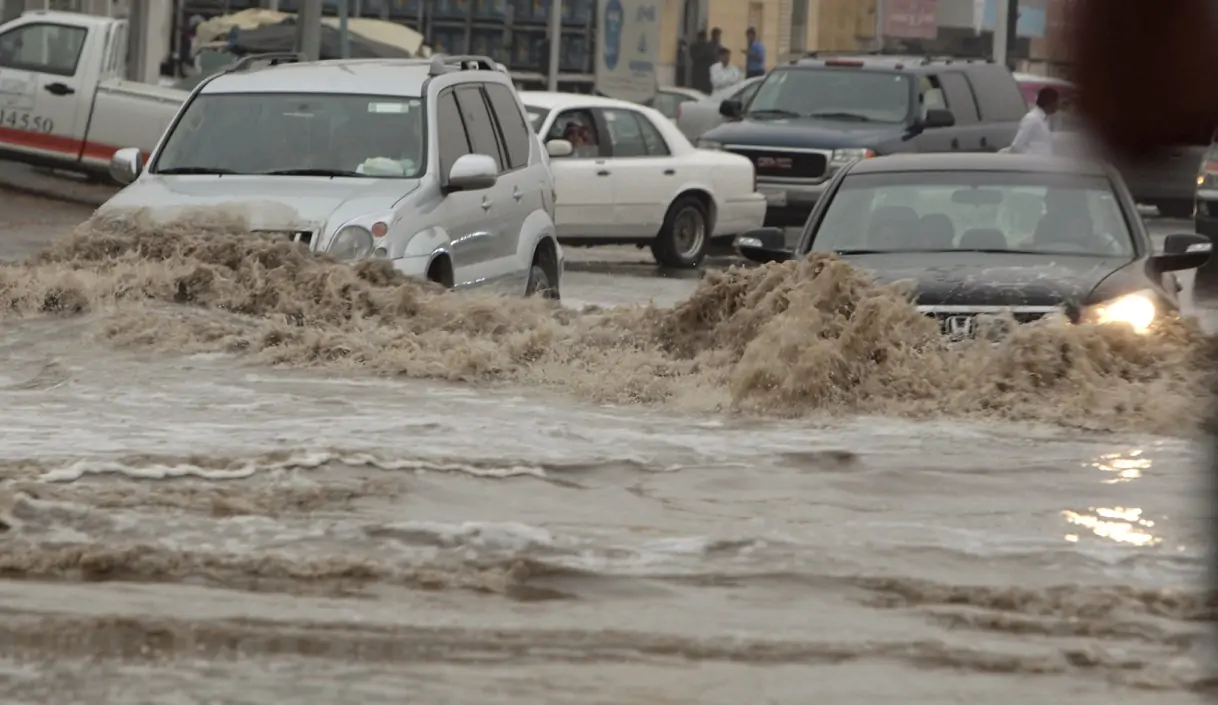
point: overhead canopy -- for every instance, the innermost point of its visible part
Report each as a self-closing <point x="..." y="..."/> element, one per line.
<point x="282" y="38"/>
<point x="361" y="28"/>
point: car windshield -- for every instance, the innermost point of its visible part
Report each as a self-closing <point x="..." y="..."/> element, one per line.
<point x="319" y="134"/>
<point x="1050" y="213"/>
<point x="843" y="94"/>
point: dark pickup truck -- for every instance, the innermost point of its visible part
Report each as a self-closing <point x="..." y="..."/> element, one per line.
<point x="814" y="115"/>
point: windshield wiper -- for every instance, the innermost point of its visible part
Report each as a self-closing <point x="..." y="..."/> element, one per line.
<point x="773" y="112"/>
<point x="195" y="170"/>
<point x="863" y="252"/>
<point x="842" y="116"/>
<point x="310" y="172"/>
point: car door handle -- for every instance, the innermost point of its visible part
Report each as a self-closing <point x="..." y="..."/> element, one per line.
<point x="669" y="172"/>
<point x="985" y="144"/>
<point x="603" y="172"/>
<point x="955" y="143"/>
<point x="516" y="193"/>
<point x="486" y="203"/>
<point x="58" y="89"/>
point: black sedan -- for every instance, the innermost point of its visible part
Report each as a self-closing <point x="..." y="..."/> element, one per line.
<point x="1028" y="236"/>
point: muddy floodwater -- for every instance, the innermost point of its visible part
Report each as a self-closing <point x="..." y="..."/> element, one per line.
<point x="232" y="472"/>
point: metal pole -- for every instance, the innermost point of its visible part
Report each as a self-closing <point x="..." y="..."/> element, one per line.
<point x="309" y="18"/>
<point x="1012" y="31"/>
<point x="879" y="25"/>
<point x="344" y="29"/>
<point x="272" y="5"/>
<point x="1001" y="16"/>
<point x="555" y="42"/>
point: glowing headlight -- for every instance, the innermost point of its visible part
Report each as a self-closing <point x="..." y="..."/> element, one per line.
<point x="709" y="144"/>
<point x="1137" y="310"/>
<point x="351" y="243"/>
<point x="843" y="156"/>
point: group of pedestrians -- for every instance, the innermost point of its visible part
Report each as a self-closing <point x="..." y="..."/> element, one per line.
<point x="711" y="61"/>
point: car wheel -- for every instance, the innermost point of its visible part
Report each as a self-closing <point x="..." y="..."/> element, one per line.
<point x="685" y="235"/>
<point x="1175" y="208"/>
<point x="539" y="283"/>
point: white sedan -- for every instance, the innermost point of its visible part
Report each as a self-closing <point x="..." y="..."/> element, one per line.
<point x="625" y="174"/>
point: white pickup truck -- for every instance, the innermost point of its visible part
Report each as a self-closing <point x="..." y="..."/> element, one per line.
<point x="64" y="102"/>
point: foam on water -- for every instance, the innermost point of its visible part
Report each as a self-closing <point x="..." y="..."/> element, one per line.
<point x="787" y="339"/>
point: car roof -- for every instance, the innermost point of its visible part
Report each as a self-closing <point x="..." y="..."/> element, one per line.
<point x="554" y="100"/>
<point x="397" y="77"/>
<point x="884" y="62"/>
<point x="978" y="161"/>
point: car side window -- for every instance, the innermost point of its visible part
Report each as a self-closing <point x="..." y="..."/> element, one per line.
<point x="579" y="128"/>
<point x="930" y="95"/>
<point x="516" y="134"/>
<point x="478" y="123"/>
<point x="666" y="103"/>
<point x="43" y="48"/>
<point x="450" y="131"/>
<point x="652" y="139"/>
<point x="625" y="133"/>
<point x="960" y="99"/>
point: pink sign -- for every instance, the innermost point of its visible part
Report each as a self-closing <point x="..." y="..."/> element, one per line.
<point x="911" y="19"/>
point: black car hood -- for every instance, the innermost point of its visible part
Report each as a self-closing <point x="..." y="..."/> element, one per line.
<point x="804" y="133"/>
<point x="992" y="279"/>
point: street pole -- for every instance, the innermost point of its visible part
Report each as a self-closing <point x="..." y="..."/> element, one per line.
<point x="555" y="42"/>
<point x="344" y="28"/>
<point x="1002" y="15"/>
<point x="309" y="19"/>
<point x="1012" y="31"/>
<point x="879" y="25"/>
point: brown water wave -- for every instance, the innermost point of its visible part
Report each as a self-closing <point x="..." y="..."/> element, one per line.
<point x="156" y="639"/>
<point x="810" y="336"/>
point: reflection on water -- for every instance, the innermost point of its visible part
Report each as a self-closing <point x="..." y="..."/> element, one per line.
<point x="1120" y="524"/>
<point x="1124" y="466"/>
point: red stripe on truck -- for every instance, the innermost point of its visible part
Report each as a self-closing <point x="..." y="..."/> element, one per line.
<point x="54" y="143"/>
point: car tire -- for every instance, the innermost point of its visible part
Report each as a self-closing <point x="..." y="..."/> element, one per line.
<point x="685" y="235"/>
<point x="539" y="283"/>
<point x="1175" y="208"/>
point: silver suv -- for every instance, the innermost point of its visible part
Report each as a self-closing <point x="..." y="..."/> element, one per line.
<point x="428" y="163"/>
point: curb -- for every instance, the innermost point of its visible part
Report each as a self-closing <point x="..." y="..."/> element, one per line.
<point x="51" y="194"/>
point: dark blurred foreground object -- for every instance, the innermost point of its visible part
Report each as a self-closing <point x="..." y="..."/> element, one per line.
<point x="1176" y="103"/>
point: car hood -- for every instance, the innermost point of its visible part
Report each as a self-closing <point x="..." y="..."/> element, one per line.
<point x="274" y="202"/>
<point x="993" y="279"/>
<point x="804" y="132"/>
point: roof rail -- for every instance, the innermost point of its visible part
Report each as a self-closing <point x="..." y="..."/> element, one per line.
<point x="272" y="59"/>
<point x="443" y="63"/>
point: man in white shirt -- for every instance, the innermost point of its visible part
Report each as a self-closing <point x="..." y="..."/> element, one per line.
<point x="1035" y="135"/>
<point x="723" y="74"/>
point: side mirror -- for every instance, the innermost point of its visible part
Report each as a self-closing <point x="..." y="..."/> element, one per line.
<point x="939" y="117"/>
<point x="472" y="172"/>
<point x="126" y="165"/>
<point x="559" y="148"/>
<point x="764" y="245"/>
<point x="731" y="109"/>
<point x="1183" y="251"/>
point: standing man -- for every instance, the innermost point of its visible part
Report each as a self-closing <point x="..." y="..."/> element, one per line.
<point x="702" y="58"/>
<point x="1035" y="136"/>
<point x="723" y="74"/>
<point x="754" y="64"/>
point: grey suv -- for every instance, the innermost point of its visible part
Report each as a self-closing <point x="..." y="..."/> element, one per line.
<point x="428" y="163"/>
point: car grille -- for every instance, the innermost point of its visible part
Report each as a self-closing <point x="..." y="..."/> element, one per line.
<point x="784" y="165"/>
<point x="959" y="324"/>
<point x="304" y="237"/>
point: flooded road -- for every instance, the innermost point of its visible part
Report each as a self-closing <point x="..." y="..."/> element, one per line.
<point x="489" y="503"/>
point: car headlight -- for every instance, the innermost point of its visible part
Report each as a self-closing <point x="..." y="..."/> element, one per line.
<point x="1137" y="310"/>
<point x="709" y="144"/>
<point x="351" y="243"/>
<point x="845" y="156"/>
